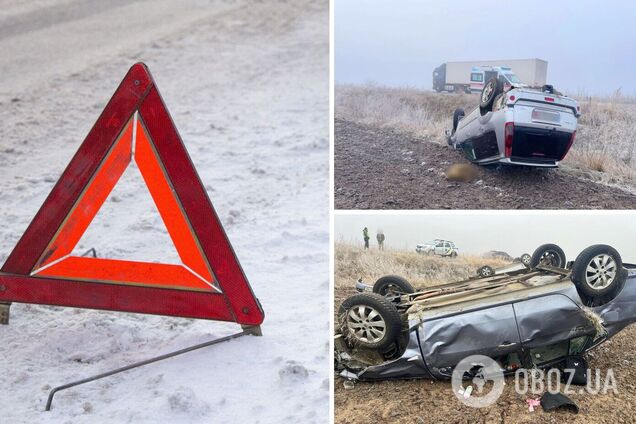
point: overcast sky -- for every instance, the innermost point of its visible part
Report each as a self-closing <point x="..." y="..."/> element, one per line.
<point x="589" y="45"/>
<point x="476" y="233"/>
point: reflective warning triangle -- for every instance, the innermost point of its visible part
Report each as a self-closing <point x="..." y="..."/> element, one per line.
<point x="209" y="283"/>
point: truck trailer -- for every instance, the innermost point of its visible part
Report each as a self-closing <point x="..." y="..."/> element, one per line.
<point x="457" y="77"/>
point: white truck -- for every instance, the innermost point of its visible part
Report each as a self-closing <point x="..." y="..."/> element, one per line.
<point x="461" y="77"/>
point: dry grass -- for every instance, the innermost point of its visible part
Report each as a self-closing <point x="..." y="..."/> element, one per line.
<point x="423" y="113"/>
<point x="603" y="150"/>
<point x="353" y="262"/>
<point x="605" y="139"/>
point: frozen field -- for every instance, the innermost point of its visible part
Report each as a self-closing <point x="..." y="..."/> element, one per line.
<point x="247" y="86"/>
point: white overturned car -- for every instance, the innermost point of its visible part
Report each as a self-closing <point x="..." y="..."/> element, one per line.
<point x="520" y="126"/>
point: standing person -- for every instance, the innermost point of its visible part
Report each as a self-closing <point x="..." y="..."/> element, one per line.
<point x="365" y="235"/>
<point x="380" y="238"/>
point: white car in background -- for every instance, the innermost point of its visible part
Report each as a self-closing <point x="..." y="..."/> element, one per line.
<point x="438" y="247"/>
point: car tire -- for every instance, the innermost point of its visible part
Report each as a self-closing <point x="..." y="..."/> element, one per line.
<point x="485" y="271"/>
<point x="526" y="259"/>
<point x="598" y="272"/>
<point x="392" y="284"/>
<point x="457" y="115"/>
<point x="492" y="88"/>
<point x="548" y="254"/>
<point x="453" y="255"/>
<point x="379" y="332"/>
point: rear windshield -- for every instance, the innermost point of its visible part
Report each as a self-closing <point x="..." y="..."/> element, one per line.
<point x="513" y="78"/>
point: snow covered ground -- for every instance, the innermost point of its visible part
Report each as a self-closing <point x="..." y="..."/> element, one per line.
<point x="247" y="85"/>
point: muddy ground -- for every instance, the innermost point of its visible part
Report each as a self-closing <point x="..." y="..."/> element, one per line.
<point x="387" y="169"/>
<point x="425" y="401"/>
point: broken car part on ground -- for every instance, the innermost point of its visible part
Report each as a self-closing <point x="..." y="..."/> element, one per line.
<point x="526" y="315"/>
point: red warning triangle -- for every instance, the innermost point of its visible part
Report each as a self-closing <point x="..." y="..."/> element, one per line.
<point x="209" y="283"/>
<point x="133" y="144"/>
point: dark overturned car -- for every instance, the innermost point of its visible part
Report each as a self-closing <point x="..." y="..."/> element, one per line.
<point x="516" y="125"/>
<point x="539" y="313"/>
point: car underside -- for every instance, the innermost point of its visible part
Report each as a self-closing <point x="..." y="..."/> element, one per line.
<point x="532" y="314"/>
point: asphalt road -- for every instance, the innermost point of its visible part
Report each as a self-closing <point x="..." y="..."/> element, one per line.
<point x="43" y="40"/>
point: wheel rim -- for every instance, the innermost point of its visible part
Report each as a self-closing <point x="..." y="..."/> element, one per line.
<point x="485" y="272"/>
<point x="550" y="258"/>
<point x="600" y="272"/>
<point x="487" y="92"/>
<point x="366" y="324"/>
<point x="525" y="259"/>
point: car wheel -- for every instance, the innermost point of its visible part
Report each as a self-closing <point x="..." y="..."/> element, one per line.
<point x="453" y="254"/>
<point x="430" y="253"/>
<point x="598" y="271"/>
<point x="548" y="254"/>
<point x="526" y="259"/>
<point x="370" y="320"/>
<point x="457" y="115"/>
<point x="485" y="271"/>
<point x="491" y="89"/>
<point x="392" y="285"/>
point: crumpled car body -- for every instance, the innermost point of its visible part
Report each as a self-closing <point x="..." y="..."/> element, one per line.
<point x="537" y="326"/>
<point x="526" y="127"/>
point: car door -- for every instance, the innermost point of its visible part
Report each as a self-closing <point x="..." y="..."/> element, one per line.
<point x="447" y="340"/>
<point x="439" y="248"/>
<point x="546" y="323"/>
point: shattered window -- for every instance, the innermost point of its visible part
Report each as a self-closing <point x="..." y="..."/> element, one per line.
<point x="545" y="354"/>
<point x="578" y="344"/>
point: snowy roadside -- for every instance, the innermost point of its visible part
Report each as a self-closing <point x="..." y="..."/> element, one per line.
<point x="248" y="90"/>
